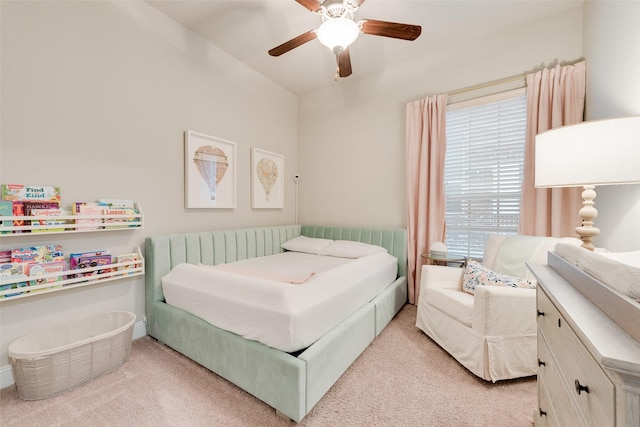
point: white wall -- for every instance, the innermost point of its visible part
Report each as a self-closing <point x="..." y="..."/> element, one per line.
<point x="96" y="96"/>
<point x="352" y="135"/>
<point x="612" y="50"/>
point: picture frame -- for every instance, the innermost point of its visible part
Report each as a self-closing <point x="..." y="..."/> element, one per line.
<point x="210" y="172"/>
<point x="267" y="182"/>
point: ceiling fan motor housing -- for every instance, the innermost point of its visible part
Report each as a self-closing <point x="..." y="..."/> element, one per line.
<point x="337" y="10"/>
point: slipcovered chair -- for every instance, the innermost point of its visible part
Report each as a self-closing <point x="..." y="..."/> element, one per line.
<point x="492" y="330"/>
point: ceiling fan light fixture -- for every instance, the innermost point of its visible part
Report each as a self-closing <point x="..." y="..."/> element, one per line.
<point x="338" y="33"/>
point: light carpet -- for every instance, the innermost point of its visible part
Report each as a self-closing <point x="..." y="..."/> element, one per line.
<point x="402" y="379"/>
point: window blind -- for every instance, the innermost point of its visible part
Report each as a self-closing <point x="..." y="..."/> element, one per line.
<point x="483" y="172"/>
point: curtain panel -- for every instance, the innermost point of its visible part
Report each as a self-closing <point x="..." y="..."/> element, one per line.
<point x="425" y="153"/>
<point x="555" y="98"/>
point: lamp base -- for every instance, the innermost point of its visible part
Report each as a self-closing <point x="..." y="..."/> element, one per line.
<point x="588" y="213"/>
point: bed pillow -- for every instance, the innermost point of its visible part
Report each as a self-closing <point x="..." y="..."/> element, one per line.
<point x="475" y="274"/>
<point x="309" y="245"/>
<point x="350" y="249"/>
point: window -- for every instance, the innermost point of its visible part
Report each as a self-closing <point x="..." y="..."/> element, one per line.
<point x="483" y="171"/>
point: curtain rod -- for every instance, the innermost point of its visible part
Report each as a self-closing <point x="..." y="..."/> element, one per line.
<point x="505" y="79"/>
<point x="487" y="84"/>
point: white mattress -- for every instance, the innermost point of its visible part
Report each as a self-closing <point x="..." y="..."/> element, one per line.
<point x="286" y="316"/>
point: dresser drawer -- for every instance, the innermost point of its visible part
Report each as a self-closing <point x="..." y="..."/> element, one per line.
<point x="588" y="386"/>
<point x="554" y="397"/>
<point x="545" y="416"/>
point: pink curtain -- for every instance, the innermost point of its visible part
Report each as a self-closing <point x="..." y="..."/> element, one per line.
<point x="555" y="98"/>
<point x="425" y="151"/>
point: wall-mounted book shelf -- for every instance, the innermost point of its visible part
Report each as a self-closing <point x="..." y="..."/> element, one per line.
<point x="69" y="279"/>
<point x="68" y="223"/>
<point x="20" y="285"/>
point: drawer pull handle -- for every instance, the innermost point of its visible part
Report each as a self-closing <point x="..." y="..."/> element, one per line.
<point x="542" y="413"/>
<point x="541" y="363"/>
<point x="540" y="313"/>
<point x="580" y="388"/>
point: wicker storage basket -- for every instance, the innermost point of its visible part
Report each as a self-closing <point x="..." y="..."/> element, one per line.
<point x="50" y="362"/>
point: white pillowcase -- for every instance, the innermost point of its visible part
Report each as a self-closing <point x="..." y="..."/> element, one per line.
<point x="350" y="249"/>
<point x="309" y="245"/>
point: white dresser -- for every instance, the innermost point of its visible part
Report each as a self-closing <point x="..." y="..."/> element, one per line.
<point x="588" y="350"/>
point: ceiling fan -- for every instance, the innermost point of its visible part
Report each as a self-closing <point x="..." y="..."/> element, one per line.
<point x="338" y="30"/>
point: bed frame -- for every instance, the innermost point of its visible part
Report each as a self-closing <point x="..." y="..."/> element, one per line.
<point x="292" y="384"/>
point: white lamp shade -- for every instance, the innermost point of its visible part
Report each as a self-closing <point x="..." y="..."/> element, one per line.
<point x="601" y="152"/>
<point x="338" y="32"/>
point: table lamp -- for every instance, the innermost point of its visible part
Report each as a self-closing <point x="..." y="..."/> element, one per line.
<point x="601" y="152"/>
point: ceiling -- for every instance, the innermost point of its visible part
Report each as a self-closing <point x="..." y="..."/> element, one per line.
<point x="247" y="29"/>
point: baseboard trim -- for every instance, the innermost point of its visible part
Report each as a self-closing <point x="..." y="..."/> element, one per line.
<point x="6" y="377"/>
<point x="139" y="329"/>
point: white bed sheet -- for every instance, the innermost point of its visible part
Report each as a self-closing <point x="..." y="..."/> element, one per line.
<point x="288" y="317"/>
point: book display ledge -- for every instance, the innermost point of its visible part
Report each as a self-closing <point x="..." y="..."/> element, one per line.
<point x="69" y="279"/>
<point x="69" y="223"/>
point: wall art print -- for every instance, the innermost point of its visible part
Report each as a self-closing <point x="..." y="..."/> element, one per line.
<point x="267" y="185"/>
<point x="210" y="171"/>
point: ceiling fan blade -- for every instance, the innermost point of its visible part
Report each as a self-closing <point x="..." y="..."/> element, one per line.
<point x="391" y="29"/>
<point x="344" y="63"/>
<point x="312" y="5"/>
<point x="293" y="43"/>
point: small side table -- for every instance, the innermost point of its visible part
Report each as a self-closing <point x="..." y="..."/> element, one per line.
<point x="460" y="260"/>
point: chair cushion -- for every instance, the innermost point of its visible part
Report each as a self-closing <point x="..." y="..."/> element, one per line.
<point x="475" y="274"/>
<point x="457" y="305"/>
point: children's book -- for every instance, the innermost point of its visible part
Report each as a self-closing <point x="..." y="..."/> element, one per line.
<point x="26" y="255"/>
<point x="47" y="225"/>
<point x="30" y="192"/>
<point x="6" y="209"/>
<point x="75" y="257"/>
<point x="120" y="211"/>
<point x="52" y="252"/>
<point x="5" y="256"/>
<point x="42" y="268"/>
<point x="77" y="206"/>
<point x="95" y="261"/>
<point x="118" y="203"/>
<point x="10" y="272"/>
<point x="29" y="206"/>
<point x="128" y="258"/>
<point x="88" y="208"/>
<point x="43" y="253"/>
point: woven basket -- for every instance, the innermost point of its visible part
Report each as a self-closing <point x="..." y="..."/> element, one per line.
<point x="53" y="361"/>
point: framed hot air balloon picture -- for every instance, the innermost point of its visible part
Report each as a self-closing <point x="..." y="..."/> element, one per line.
<point x="267" y="184"/>
<point x="210" y="171"/>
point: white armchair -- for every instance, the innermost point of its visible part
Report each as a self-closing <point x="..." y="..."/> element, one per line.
<point x="491" y="333"/>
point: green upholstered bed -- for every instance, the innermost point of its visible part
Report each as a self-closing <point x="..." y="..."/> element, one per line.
<point x="292" y="384"/>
